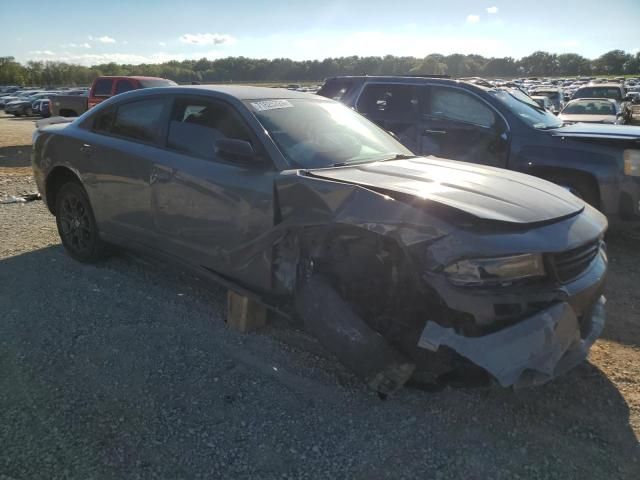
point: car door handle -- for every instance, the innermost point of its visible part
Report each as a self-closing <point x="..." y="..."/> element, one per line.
<point x="435" y="132"/>
<point x="86" y="148"/>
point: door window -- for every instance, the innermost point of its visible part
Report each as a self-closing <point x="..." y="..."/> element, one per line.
<point x="139" y="120"/>
<point x="196" y="124"/>
<point x="457" y="105"/>
<point x="104" y="121"/>
<point x="102" y="87"/>
<point x="391" y="101"/>
<point x="124" y="86"/>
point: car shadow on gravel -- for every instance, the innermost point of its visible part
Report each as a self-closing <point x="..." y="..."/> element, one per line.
<point x="17" y="156"/>
<point x="126" y="370"/>
<point x="623" y="298"/>
<point x="23" y="119"/>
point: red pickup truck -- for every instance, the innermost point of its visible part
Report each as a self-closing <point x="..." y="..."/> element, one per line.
<point x="106" y="87"/>
<point x="101" y="89"/>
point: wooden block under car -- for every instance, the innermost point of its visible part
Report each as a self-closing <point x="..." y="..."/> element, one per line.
<point x="244" y="314"/>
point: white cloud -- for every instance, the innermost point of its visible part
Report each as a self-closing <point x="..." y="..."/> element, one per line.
<point x="103" y="39"/>
<point x="89" y="59"/>
<point x="42" y="52"/>
<point x="473" y="18"/>
<point x="207" y="39"/>
<point x="162" y="44"/>
<point x="75" y="45"/>
<point x="492" y="10"/>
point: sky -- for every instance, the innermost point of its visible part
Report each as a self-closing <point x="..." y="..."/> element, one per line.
<point x="153" y="31"/>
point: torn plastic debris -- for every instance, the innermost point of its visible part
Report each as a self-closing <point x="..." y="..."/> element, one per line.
<point x="528" y="353"/>
<point x="30" y="197"/>
<point x="338" y="329"/>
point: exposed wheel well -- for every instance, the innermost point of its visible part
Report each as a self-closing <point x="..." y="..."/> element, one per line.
<point x="570" y="177"/>
<point x="56" y="179"/>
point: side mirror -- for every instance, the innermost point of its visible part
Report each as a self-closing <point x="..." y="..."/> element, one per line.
<point x="235" y="148"/>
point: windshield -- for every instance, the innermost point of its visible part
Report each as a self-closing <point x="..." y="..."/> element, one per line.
<point x="599" y="92"/>
<point x="527" y="109"/>
<point x="594" y="107"/>
<point x="314" y="133"/>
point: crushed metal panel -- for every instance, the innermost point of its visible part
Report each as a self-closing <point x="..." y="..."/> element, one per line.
<point x="528" y="353"/>
<point x="342" y="332"/>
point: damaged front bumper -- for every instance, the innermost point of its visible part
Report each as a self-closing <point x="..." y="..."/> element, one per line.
<point x="530" y="352"/>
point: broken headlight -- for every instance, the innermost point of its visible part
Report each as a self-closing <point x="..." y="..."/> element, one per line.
<point x="495" y="271"/>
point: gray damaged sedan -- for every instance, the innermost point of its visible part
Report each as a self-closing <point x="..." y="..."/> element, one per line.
<point x="404" y="267"/>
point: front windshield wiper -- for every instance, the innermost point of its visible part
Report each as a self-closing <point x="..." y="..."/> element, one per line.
<point x="395" y="156"/>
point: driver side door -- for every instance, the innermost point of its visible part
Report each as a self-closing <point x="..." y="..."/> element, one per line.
<point x="208" y="207"/>
<point x="457" y="124"/>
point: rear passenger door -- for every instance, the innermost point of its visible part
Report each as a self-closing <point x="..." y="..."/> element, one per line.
<point x="396" y="108"/>
<point x="118" y="156"/>
<point x="207" y="205"/>
<point x="459" y="125"/>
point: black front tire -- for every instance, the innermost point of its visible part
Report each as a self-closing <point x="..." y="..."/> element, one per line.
<point x="77" y="225"/>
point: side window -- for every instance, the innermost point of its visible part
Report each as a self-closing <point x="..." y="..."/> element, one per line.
<point x="104" y="122"/>
<point x="139" y="120"/>
<point x="196" y="124"/>
<point x="390" y="101"/>
<point x="124" y="86"/>
<point x="456" y="105"/>
<point x="335" y="89"/>
<point x="103" y="87"/>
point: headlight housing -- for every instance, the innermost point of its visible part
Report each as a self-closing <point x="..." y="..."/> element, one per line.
<point x="632" y="163"/>
<point x="495" y="271"/>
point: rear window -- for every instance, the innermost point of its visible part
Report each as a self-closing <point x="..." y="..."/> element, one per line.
<point x="599" y="92"/>
<point x="157" y="82"/>
<point x="124" y="86"/>
<point x="335" y="89"/>
<point x="102" y="87"/>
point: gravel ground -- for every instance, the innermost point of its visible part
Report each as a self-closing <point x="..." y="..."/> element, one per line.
<point x="126" y="370"/>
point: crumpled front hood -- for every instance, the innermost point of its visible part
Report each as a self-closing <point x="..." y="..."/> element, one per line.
<point x="485" y="192"/>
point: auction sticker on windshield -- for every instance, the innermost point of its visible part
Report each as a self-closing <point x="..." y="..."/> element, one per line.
<point x="271" y="105"/>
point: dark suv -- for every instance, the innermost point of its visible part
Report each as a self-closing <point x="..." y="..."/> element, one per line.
<point x="502" y="128"/>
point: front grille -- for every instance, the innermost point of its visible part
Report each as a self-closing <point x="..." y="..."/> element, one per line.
<point x="570" y="264"/>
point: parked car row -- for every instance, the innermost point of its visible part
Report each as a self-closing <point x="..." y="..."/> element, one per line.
<point x="32" y="101"/>
<point x="69" y="102"/>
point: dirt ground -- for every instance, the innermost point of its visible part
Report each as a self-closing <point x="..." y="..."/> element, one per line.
<point x="125" y="370"/>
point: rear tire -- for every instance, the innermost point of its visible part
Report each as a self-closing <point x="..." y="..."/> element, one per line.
<point x="77" y="225"/>
<point x="28" y="112"/>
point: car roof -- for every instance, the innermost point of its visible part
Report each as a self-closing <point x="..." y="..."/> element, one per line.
<point x="135" y="77"/>
<point x="433" y="80"/>
<point x="608" y="84"/>
<point x="240" y="92"/>
<point x="576" y="100"/>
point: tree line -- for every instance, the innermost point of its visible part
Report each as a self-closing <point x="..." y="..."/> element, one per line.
<point x="243" y="69"/>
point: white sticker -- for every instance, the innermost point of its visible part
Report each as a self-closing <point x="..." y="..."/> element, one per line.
<point x="271" y="105"/>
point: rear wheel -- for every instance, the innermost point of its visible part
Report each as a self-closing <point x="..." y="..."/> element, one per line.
<point x="77" y="226"/>
<point x="28" y="112"/>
